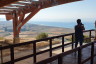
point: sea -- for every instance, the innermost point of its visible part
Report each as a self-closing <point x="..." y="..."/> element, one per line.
<point x="87" y="25"/>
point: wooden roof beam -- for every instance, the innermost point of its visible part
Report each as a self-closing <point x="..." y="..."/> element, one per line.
<point x="4" y="13"/>
<point x="28" y="8"/>
<point x="25" y="1"/>
<point x="6" y="2"/>
<point x="8" y="11"/>
<point x="50" y="3"/>
<point x="16" y="5"/>
<point x="12" y="8"/>
<point x="19" y="6"/>
<point x="9" y="8"/>
<point x="4" y="9"/>
<point x="22" y="3"/>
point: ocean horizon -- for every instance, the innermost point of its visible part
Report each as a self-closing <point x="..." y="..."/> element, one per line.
<point x="88" y="25"/>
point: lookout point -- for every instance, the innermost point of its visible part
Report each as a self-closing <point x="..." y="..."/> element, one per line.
<point x="20" y="12"/>
<point x="16" y="10"/>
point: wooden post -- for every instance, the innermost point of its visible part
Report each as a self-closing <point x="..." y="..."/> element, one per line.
<point x="34" y="52"/>
<point x="60" y="60"/>
<point x="12" y="54"/>
<point x="79" y="56"/>
<point x="92" y="53"/>
<point x="1" y="55"/>
<point x="62" y="43"/>
<point x="72" y="41"/>
<point x="50" y="41"/>
<point x="90" y="35"/>
<point x="15" y="29"/>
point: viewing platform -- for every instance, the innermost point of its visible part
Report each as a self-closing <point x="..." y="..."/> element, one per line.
<point x="20" y="12"/>
<point x="63" y="53"/>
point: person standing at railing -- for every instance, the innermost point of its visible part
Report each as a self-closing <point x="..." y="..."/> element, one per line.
<point x="95" y="31"/>
<point x="79" y="37"/>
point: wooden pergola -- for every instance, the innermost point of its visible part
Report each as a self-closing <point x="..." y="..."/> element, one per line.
<point x="17" y="9"/>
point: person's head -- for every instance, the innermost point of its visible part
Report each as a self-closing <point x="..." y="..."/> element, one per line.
<point x="79" y="21"/>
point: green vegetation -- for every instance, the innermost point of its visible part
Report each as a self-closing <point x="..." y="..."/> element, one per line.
<point x="42" y="35"/>
<point x="86" y="39"/>
<point x="1" y="38"/>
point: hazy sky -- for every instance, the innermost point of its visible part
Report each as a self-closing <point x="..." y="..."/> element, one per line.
<point x="85" y="10"/>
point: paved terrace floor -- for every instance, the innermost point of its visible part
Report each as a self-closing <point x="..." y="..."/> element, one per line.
<point x="69" y="59"/>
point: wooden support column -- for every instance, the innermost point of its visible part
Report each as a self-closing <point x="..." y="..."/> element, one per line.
<point x="25" y="20"/>
<point x="19" y="21"/>
<point x="15" y="29"/>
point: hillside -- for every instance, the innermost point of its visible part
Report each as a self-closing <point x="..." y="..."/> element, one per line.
<point x="31" y="30"/>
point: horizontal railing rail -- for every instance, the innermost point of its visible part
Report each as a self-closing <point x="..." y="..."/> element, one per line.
<point x="48" y="60"/>
<point x="45" y="39"/>
<point x="34" y="55"/>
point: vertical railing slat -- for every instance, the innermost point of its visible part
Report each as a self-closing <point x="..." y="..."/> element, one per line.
<point x="60" y="60"/>
<point x="50" y="44"/>
<point x="92" y="53"/>
<point x="34" y="52"/>
<point x="72" y="41"/>
<point x="12" y="54"/>
<point x="90" y="35"/>
<point x="79" y="55"/>
<point x="62" y="43"/>
<point x="1" y="55"/>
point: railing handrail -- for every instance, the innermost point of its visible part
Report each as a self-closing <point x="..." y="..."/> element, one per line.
<point x="11" y="47"/>
<point x="48" y="60"/>
<point x="34" y="41"/>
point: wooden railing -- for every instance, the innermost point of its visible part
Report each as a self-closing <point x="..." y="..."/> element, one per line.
<point x="79" y="49"/>
<point x="59" y="57"/>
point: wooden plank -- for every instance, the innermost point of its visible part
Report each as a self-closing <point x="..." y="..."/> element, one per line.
<point x="56" y="2"/>
<point x="1" y="52"/>
<point x="60" y="60"/>
<point x="79" y="56"/>
<point x="12" y="8"/>
<point x="92" y="53"/>
<point x="85" y="60"/>
<point x="34" y="52"/>
<point x="62" y="43"/>
<point x="12" y="54"/>
<point x="8" y="17"/>
<point x="50" y="45"/>
<point x="73" y="41"/>
<point x="6" y="2"/>
<point x="59" y="57"/>
<point x="4" y="13"/>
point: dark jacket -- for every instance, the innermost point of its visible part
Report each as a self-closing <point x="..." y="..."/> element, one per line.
<point x="79" y="31"/>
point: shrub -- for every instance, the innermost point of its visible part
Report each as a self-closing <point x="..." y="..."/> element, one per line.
<point x="1" y="38"/>
<point x="8" y="41"/>
<point x="42" y="35"/>
<point x="86" y="39"/>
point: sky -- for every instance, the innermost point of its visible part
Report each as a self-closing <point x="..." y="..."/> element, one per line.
<point x="85" y="10"/>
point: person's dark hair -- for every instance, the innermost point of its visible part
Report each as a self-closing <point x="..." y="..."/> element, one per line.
<point x="79" y="21"/>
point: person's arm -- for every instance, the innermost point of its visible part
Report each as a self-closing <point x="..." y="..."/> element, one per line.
<point x="83" y="28"/>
